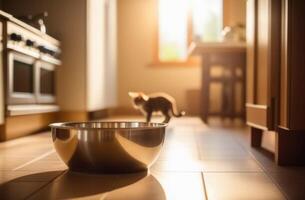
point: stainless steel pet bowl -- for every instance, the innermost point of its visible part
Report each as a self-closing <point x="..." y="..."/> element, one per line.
<point x="108" y="147"/>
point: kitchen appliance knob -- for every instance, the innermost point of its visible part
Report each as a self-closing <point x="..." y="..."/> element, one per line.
<point x="15" y="37"/>
<point x="51" y="52"/>
<point x="42" y="49"/>
<point x="29" y="43"/>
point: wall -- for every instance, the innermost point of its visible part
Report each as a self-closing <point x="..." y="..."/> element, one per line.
<point x="67" y="22"/>
<point x="101" y="54"/>
<point x="136" y="37"/>
<point x="136" y="21"/>
<point x="95" y="54"/>
<point x="234" y="12"/>
<point x="111" y="89"/>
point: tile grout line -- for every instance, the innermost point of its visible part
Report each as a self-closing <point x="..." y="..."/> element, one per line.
<point x="264" y="170"/>
<point x="204" y="186"/>
<point x="34" y="160"/>
<point x="45" y="185"/>
<point x="201" y="172"/>
<point x="250" y="153"/>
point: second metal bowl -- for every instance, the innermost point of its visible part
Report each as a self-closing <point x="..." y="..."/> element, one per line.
<point x="108" y="147"/>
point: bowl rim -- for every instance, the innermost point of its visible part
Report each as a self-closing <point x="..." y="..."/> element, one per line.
<point x="67" y="125"/>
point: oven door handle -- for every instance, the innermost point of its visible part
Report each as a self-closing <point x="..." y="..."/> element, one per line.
<point x="50" y="60"/>
<point x="33" y="54"/>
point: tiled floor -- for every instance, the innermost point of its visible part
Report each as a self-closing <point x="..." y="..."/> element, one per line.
<point x="196" y="162"/>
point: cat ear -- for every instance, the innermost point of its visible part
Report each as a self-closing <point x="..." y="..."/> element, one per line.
<point x="145" y="97"/>
<point x="133" y="94"/>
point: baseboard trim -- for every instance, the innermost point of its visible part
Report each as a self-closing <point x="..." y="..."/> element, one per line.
<point x="98" y="114"/>
<point x="18" y="126"/>
<point x="123" y="110"/>
<point x="113" y="111"/>
<point x="68" y="116"/>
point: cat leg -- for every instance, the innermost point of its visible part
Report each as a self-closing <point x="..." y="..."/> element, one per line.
<point x="167" y="118"/>
<point x="148" y="116"/>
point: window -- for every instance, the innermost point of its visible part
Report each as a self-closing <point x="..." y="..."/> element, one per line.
<point x="173" y="30"/>
<point x="176" y="29"/>
<point x="207" y="20"/>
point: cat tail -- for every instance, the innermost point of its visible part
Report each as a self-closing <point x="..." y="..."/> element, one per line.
<point x="176" y="113"/>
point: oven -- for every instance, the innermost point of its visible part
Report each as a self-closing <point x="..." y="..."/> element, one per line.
<point x="31" y="80"/>
<point x="45" y="82"/>
<point x="21" y="84"/>
<point x="30" y="62"/>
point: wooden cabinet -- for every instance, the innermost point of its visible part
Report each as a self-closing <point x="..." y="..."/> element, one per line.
<point x="263" y="62"/>
<point x="293" y="66"/>
<point x="275" y="76"/>
<point x="290" y="139"/>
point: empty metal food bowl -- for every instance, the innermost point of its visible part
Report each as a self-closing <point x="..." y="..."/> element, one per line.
<point x="108" y="147"/>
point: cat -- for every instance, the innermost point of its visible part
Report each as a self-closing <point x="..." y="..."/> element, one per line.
<point x="158" y="102"/>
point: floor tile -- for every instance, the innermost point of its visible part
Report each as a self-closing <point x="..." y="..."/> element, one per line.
<point x="223" y="155"/>
<point x="230" y="165"/>
<point x="158" y="186"/>
<point x="241" y="186"/>
<point x="45" y="165"/>
<point x="178" y="166"/>
<point x="10" y="163"/>
<point x="28" y="176"/>
<point x="147" y="188"/>
<point x="181" y="186"/>
<point x="76" y="185"/>
<point x="72" y="185"/>
<point x="294" y="189"/>
<point x="179" y="153"/>
<point x="19" y="190"/>
<point x="208" y="165"/>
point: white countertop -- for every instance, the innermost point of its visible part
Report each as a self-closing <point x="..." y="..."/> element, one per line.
<point x="28" y="27"/>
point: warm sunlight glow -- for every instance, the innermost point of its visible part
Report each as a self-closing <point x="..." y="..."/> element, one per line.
<point x="207" y="19"/>
<point x="173" y="25"/>
<point x="173" y="30"/>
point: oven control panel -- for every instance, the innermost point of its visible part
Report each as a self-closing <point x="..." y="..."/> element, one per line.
<point x="28" y="42"/>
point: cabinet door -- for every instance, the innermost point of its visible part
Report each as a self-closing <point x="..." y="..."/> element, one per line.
<point x="293" y="65"/>
<point x="262" y="64"/>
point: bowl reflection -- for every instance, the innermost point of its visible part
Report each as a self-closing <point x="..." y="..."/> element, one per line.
<point x="108" y="147"/>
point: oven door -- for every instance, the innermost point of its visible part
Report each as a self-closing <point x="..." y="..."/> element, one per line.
<point x="45" y="80"/>
<point x="21" y="78"/>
